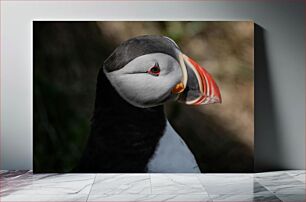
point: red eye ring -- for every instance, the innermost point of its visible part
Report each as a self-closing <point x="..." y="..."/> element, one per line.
<point x="155" y="70"/>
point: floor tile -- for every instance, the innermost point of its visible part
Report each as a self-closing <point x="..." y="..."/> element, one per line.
<point x="298" y="175"/>
<point x="261" y="193"/>
<point x="259" y="189"/>
<point x="14" y="174"/>
<point x="287" y="186"/>
<point x="173" y="184"/>
<point x="244" y="198"/>
<point x="236" y="184"/>
<point x="287" y="189"/>
<point x="121" y="184"/>
<point x="230" y="197"/>
<point x="292" y="197"/>
<point x="14" y="180"/>
<point x="150" y="198"/>
<point x="47" y="184"/>
<point x="177" y="198"/>
<point x="281" y="183"/>
<point x="2" y="172"/>
<point x="266" y="198"/>
<point x="275" y="175"/>
<point x="43" y="198"/>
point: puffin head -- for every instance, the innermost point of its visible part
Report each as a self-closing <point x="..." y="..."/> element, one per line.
<point x="150" y="70"/>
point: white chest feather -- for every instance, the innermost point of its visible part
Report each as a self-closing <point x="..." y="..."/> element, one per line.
<point x="172" y="155"/>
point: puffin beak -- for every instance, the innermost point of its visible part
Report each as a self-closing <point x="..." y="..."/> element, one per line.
<point x="197" y="86"/>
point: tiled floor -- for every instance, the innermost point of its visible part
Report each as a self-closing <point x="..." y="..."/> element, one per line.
<point x="272" y="186"/>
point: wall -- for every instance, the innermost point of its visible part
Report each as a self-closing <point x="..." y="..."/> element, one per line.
<point x="279" y="64"/>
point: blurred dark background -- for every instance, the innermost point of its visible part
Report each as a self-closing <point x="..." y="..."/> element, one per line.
<point x="68" y="55"/>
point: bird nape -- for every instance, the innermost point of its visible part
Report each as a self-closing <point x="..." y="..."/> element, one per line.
<point x="129" y="130"/>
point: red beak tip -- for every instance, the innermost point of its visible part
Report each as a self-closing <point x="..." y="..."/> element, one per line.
<point x="210" y="91"/>
<point x="215" y="100"/>
<point x="218" y="98"/>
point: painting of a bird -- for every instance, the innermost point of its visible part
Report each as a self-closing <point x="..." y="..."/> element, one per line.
<point x="129" y="130"/>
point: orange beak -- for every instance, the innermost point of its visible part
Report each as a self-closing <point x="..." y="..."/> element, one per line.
<point x="197" y="86"/>
<point x="178" y="88"/>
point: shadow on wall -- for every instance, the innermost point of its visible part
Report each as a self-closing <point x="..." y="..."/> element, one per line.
<point x="267" y="144"/>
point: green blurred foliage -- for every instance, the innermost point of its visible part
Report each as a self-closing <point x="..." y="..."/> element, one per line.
<point x="68" y="55"/>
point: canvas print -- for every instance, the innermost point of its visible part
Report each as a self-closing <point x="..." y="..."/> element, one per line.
<point x="136" y="97"/>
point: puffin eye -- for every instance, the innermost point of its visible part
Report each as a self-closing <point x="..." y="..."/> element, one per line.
<point x="155" y="70"/>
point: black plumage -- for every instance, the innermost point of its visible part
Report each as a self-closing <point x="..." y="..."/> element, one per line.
<point x="123" y="138"/>
<point x="138" y="46"/>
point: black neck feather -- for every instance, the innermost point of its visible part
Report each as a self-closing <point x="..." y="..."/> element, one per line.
<point x="123" y="137"/>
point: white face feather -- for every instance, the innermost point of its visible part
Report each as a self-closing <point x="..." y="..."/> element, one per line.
<point x="142" y="89"/>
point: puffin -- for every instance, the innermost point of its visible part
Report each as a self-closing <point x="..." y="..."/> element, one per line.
<point x="129" y="129"/>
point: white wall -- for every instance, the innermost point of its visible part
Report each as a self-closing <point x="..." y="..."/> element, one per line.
<point x="280" y="73"/>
